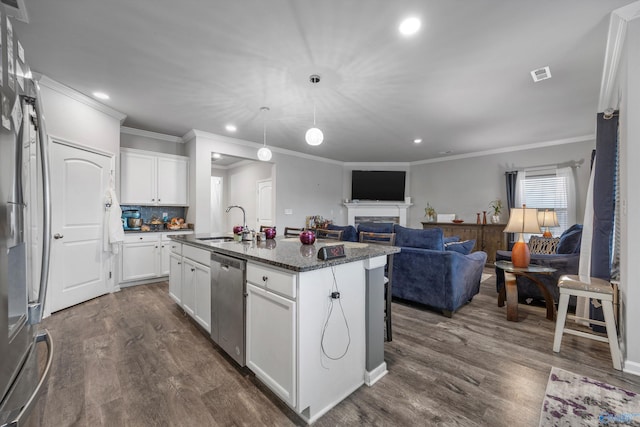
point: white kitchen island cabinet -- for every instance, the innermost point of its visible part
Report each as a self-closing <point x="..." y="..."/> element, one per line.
<point x="153" y="179"/>
<point x="314" y="328"/>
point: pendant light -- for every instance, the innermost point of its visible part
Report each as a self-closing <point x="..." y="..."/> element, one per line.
<point x="314" y="135"/>
<point x="264" y="153"/>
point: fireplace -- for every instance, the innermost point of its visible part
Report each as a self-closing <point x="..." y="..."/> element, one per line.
<point x="360" y="212"/>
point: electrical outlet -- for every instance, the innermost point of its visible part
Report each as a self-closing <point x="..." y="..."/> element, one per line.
<point x="164" y="214"/>
<point x="288" y="211"/>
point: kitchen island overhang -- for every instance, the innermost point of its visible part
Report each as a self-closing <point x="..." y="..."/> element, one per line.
<point x="317" y="379"/>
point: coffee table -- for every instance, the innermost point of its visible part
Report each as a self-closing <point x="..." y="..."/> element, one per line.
<point x="510" y="290"/>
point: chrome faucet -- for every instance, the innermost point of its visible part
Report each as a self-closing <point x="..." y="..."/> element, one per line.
<point x="246" y="233"/>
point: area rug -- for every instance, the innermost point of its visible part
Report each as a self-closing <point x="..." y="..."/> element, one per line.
<point x="574" y="400"/>
<point x="485" y="276"/>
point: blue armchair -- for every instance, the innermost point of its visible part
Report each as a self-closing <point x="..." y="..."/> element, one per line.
<point x="565" y="260"/>
<point x="426" y="273"/>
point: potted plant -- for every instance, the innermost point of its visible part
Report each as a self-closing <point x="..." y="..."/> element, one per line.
<point x="430" y="213"/>
<point x="496" y="206"/>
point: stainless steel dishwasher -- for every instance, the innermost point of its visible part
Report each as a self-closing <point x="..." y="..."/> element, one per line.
<point x="228" y="284"/>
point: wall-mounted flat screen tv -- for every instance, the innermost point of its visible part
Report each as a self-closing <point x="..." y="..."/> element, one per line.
<point x="378" y="185"/>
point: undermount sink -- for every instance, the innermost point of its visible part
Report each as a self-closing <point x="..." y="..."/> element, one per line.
<point x="220" y="239"/>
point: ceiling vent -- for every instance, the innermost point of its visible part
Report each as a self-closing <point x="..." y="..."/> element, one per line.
<point x="17" y="9"/>
<point x="541" y="74"/>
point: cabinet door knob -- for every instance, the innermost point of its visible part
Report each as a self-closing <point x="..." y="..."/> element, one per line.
<point x="265" y="278"/>
<point x="153" y="200"/>
<point x="58" y="236"/>
<point x="179" y="263"/>
<point x="140" y="238"/>
<point x="193" y="269"/>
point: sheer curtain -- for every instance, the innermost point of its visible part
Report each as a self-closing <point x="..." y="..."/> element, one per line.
<point x="568" y="173"/>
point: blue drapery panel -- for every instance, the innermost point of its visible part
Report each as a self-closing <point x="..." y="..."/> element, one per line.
<point x="603" y="202"/>
<point x="510" y="178"/>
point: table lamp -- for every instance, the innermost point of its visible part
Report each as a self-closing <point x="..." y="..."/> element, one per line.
<point x="547" y="219"/>
<point x="522" y="220"/>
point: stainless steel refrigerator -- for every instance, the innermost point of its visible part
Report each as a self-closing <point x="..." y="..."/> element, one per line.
<point x="24" y="233"/>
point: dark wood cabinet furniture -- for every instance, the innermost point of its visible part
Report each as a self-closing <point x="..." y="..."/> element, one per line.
<point x="489" y="237"/>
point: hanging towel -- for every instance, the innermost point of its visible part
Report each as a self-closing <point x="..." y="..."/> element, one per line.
<point x="113" y="229"/>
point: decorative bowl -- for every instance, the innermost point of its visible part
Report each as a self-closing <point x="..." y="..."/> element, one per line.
<point x="307" y="237"/>
<point x="457" y="221"/>
<point x="270" y="233"/>
<point x="237" y="229"/>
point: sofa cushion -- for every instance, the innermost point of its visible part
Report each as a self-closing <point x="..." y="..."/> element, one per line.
<point x="570" y="240"/>
<point x="425" y="239"/>
<point x="376" y="227"/>
<point x="450" y="239"/>
<point x="464" y="248"/>
<point x="543" y="245"/>
<point x="349" y="232"/>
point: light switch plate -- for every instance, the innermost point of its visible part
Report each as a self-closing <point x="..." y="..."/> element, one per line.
<point x="288" y="211"/>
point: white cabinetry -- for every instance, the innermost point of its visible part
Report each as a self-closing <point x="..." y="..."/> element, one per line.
<point x="190" y="283"/>
<point x="148" y="178"/>
<point x="146" y="256"/>
<point x="271" y="329"/>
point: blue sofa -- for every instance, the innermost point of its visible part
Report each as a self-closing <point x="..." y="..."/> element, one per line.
<point x="426" y="273"/>
<point x="565" y="260"/>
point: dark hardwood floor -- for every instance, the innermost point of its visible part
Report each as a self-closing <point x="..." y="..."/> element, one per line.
<point x="134" y="359"/>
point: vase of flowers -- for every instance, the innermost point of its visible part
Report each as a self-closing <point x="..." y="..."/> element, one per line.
<point x="496" y="207"/>
<point x="430" y="213"/>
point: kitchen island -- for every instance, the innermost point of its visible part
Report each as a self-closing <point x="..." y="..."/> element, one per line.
<point x="314" y="328"/>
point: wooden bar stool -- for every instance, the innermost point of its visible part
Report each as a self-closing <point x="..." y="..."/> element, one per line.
<point x="589" y="287"/>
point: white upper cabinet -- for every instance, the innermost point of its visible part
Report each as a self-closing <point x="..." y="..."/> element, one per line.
<point x="153" y="179"/>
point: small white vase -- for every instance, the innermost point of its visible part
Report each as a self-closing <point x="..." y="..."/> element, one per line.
<point x="495" y="219"/>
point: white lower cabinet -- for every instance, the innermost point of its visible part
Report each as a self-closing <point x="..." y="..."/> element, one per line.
<point x="190" y="283"/>
<point x="271" y="331"/>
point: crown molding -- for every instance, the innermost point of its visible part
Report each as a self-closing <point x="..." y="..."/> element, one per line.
<point x="584" y="138"/>
<point x="149" y="134"/>
<point x="194" y="133"/>
<point x="376" y="164"/>
<point x="618" y="23"/>
<point x="77" y="96"/>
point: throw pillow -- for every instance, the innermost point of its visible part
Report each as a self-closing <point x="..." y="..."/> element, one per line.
<point x="464" y="248"/>
<point x="423" y="239"/>
<point x="570" y="242"/>
<point x="543" y="245"/>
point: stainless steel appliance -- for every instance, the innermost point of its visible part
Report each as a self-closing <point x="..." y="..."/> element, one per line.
<point x="133" y="214"/>
<point x="228" y="281"/>
<point x="25" y="217"/>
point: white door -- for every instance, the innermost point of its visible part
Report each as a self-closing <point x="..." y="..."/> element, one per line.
<point x="265" y="203"/>
<point x="79" y="180"/>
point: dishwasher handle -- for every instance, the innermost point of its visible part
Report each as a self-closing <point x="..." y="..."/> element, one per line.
<point x="227" y="261"/>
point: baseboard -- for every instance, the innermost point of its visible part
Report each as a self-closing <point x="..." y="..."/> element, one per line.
<point x="371" y="377"/>
<point x="631" y="367"/>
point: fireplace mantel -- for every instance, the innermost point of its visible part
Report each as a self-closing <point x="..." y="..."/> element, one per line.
<point x="380" y="209"/>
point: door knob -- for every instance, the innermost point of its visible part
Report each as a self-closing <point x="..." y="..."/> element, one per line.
<point x="58" y="236"/>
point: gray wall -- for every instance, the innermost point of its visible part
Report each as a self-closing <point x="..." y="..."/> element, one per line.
<point x="149" y="143"/>
<point x="467" y="186"/>
<point x="240" y="189"/>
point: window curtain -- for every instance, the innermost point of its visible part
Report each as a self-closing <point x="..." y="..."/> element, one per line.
<point x="568" y="173"/>
<point x="584" y="269"/>
<point x="511" y="178"/>
<point x="602" y="206"/>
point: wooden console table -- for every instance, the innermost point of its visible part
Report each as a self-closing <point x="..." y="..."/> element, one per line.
<point x="489" y="237"/>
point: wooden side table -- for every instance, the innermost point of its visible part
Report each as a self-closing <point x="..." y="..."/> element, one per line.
<point x="510" y="290"/>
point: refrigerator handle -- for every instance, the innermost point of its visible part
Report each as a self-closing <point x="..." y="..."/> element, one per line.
<point x="36" y="308"/>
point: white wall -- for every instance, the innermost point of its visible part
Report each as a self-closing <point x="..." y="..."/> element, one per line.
<point x="467" y="186"/>
<point x="151" y="143"/>
<point x="629" y="80"/>
<point x="240" y="190"/>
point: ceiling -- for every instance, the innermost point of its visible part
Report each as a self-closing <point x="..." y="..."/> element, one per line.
<point x="462" y="83"/>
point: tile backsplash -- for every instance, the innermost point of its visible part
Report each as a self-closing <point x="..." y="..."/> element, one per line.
<point x="148" y="212"/>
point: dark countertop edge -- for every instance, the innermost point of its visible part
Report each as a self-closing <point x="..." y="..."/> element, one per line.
<point x="386" y="250"/>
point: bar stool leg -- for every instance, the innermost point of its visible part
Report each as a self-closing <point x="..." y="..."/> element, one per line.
<point x="563" y="306"/>
<point x="607" y="309"/>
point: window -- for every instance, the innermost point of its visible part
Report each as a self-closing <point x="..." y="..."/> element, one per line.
<point x="552" y="189"/>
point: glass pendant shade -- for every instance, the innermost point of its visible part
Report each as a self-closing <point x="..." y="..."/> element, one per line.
<point x="264" y="154"/>
<point x="314" y="136"/>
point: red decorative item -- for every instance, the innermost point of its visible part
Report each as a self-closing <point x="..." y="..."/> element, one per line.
<point x="307" y="237"/>
<point x="270" y="233"/>
<point x="237" y="229"/>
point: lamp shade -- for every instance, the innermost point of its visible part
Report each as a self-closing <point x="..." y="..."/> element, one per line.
<point x="522" y="220"/>
<point x="547" y="219"/>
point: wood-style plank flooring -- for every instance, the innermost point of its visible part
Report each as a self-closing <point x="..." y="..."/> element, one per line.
<point x="133" y="358"/>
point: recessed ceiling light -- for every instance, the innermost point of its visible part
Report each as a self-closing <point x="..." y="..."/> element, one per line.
<point x="409" y="26"/>
<point x="417" y="140"/>
<point x="231" y="128"/>
<point x="216" y="155"/>
<point x="100" y="95"/>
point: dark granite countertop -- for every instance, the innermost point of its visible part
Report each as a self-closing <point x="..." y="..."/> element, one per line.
<point x="287" y="253"/>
